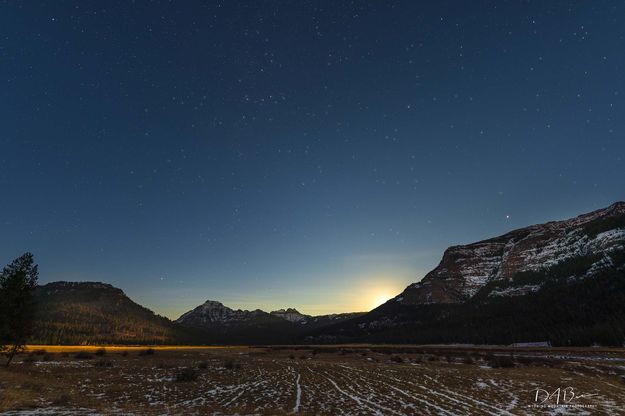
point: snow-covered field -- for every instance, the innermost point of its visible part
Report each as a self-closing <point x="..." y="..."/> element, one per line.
<point x="325" y="381"/>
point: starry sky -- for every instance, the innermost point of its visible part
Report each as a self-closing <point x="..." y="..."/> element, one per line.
<point x="314" y="154"/>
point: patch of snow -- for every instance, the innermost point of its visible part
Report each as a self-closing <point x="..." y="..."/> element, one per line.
<point x="298" y="398"/>
<point x="516" y="290"/>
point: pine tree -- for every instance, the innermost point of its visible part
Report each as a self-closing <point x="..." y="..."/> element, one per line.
<point x="17" y="282"/>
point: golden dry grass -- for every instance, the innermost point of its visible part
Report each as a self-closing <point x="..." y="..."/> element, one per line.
<point x="116" y="348"/>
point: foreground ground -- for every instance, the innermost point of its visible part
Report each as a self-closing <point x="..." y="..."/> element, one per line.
<point x="339" y="380"/>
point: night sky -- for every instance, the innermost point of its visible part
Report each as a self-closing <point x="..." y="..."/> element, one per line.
<point x="319" y="155"/>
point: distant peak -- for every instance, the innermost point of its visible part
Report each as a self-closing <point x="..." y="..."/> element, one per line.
<point x="213" y="303"/>
<point x="287" y="310"/>
<point x="617" y="207"/>
<point x="290" y="314"/>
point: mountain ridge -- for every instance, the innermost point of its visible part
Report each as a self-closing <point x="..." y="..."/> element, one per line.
<point x="69" y="312"/>
<point x="465" y="269"/>
<point x="555" y="267"/>
<point x="561" y="282"/>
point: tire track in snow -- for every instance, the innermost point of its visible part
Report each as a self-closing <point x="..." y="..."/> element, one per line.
<point x="497" y="410"/>
<point x="419" y="398"/>
<point x="360" y="400"/>
<point x="298" y="398"/>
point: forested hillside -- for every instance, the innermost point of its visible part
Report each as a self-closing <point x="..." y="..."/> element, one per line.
<point x="98" y="313"/>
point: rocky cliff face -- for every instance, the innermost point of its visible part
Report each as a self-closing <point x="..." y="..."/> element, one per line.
<point x="466" y="269"/>
<point x="562" y="283"/>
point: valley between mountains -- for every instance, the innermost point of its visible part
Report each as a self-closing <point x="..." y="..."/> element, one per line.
<point x="560" y="283"/>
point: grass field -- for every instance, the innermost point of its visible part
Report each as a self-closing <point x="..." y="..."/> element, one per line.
<point x="115" y="348"/>
<point x="337" y="380"/>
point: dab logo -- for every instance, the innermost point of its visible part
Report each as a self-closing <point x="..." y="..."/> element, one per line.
<point x="560" y="397"/>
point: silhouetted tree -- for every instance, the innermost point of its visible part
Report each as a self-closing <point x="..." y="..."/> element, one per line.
<point x="17" y="282"/>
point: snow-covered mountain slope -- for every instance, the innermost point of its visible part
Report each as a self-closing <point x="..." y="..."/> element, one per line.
<point x="212" y="312"/>
<point x="466" y="269"/>
<point x="291" y="315"/>
<point x="309" y="321"/>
